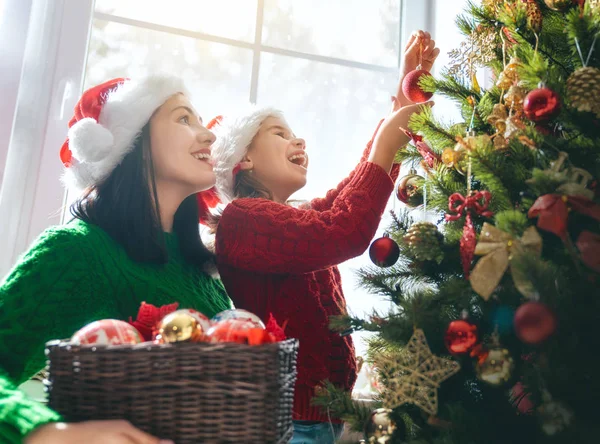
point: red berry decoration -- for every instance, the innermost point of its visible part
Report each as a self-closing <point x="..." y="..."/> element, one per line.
<point x="384" y="252"/>
<point x="534" y="322"/>
<point x="461" y="336"/>
<point x="541" y="104"/>
<point x="411" y="88"/>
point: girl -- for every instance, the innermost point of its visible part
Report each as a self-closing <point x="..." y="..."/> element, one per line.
<point x="277" y="259"/>
<point x="141" y="153"/>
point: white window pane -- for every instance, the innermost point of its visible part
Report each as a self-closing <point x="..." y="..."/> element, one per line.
<point x="334" y="108"/>
<point x="218" y="75"/>
<point x="356" y="30"/>
<point x="234" y="19"/>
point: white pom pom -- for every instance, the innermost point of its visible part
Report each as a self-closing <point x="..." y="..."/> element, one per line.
<point x="89" y="141"/>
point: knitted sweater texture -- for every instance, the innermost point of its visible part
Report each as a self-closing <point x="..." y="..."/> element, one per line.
<point x="280" y="260"/>
<point x="72" y="275"/>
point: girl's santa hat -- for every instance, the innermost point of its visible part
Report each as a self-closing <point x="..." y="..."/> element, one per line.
<point x="234" y="135"/>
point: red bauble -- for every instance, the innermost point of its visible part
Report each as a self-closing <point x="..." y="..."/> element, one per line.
<point x="461" y="336"/>
<point x="107" y="332"/>
<point x="232" y="330"/>
<point x="521" y="399"/>
<point x="384" y="252"/>
<point x="534" y="322"/>
<point x="541" y="104"/>
<point x="411" y="88"/>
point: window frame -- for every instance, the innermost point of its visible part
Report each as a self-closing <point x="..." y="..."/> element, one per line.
<point x="32" y="197"/>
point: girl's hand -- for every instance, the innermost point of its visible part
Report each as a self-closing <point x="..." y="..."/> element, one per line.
<point x="419" y="40"/>
<point x="91" y="432"/>
<point x="391" y="136"/>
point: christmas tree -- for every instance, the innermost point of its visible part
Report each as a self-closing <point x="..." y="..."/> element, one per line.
<point x="492" y="338"/>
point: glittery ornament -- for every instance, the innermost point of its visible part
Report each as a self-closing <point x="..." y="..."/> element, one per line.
<point x="238" y="313"/>
<point x="559" y="5"/>
<point x="495" y="366"/>
<point x="541" y="104"/>
<point x="534" y="322"/>
<point x="534" y="16"/>
<point x="411" y="88"/>
<point x="460" y="337"/>
<point x="515" y="96"/>
<point x="379" y="427"/>
<point x="424" y="242"/>
<point x="410" y="189"/>
<point x="414" y="375"/>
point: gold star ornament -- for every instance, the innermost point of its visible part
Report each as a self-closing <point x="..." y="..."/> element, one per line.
<point x="414" y="375"/>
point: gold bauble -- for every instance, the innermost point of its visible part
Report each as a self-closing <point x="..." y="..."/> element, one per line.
<point x="495" y="367"/>
<point x="379" y="427"/>
<point x="449" y="157"/>
<point x="515" y="96"/>
<point x="180" y="326"/>
<point x="510" y="74"/>
<point x="559" y="5"/>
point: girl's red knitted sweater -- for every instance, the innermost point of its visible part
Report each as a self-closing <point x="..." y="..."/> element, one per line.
<point x="277" y="259"/>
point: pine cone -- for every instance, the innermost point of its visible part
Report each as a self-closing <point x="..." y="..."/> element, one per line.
<point x="424" y="242"/>
<point x="534" y="16"/>
<point x="583" y="90"/>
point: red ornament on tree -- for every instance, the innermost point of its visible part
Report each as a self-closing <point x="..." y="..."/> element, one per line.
<point x="384" y="252"/>
<point x="541" y="104"/>
<point x="411" y="88"/>
<point x="534" y="322"/>
<point x="461" y="336"/>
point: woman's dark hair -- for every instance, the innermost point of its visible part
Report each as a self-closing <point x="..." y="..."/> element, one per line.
<point x="125" y="205"/>
<point x="245" y="185"/>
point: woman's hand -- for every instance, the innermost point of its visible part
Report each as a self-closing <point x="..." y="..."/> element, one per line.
<point x="91" y="432"/>
<point x="391" y="136"/>
<point x="419" y="41"/>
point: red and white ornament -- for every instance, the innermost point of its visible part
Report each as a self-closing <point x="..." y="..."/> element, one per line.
<point x="238" y="313"/>
<point x="384" y="252"/>
<point x="107" y="332"/>
<point x="411" y="88"/>
<point x="541" y="104"/>
<point x="232" y="330"/>
<point x="534" y="322"/>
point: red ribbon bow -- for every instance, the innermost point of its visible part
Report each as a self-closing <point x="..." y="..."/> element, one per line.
<point x="459" y="204"/>
<point x="149" y="316"/>
<point x="552" y="211"/>
<point x="429" y="156"/>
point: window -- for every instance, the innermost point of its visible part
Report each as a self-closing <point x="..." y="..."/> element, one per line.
<point x="330" y="66"/>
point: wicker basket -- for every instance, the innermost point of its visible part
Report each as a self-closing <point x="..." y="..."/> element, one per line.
<point x="187" y="392"/>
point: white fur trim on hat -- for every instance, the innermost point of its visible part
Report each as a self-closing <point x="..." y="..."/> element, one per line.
<point x="98" y="147"/>
<point x="234" y="136"/>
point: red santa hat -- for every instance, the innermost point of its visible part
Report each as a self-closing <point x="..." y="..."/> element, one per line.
<point x="107" y="121"/>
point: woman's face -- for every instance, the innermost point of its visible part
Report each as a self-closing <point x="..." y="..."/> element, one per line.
<point x="277" y="158"/>
<point x="180" y="147"/>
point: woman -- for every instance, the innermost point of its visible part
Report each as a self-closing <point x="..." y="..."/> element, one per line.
<point x="141" y="153"/>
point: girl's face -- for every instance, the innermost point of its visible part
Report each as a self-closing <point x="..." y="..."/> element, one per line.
<point x="277" y="159"/>
<point x="180" y="147"/>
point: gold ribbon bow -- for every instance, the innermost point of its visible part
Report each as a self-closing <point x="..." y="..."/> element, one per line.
<point x="497" y="249"/>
